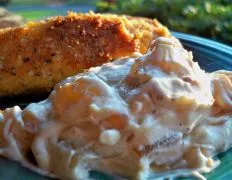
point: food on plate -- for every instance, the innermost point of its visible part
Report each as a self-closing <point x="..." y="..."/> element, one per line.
<point x="8" y="19"/>
<point x="35" y="57"/>
<point x="155" y="115"/>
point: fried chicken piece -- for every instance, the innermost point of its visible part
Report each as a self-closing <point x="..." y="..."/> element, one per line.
<point x="33" y="58"/>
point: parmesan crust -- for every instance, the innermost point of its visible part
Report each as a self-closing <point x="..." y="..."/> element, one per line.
<point x="34" y="57"/>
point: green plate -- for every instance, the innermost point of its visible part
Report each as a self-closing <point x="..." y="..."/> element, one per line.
<point x="210" y="55"/>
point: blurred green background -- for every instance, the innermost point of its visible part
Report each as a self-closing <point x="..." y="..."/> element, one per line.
<point x="210" y="18"/>
<point x="40" y="9"/>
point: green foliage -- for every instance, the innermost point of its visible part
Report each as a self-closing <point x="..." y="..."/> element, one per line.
<point x="209" y="18"/>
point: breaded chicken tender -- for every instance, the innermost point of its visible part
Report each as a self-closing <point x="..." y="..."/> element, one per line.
<point x="34" y="57"/>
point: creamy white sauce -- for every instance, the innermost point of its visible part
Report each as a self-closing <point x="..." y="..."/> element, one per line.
<point x="109" y="137"/>
<point x="158" y="114"/>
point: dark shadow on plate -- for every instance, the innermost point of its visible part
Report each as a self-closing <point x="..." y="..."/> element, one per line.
<point x="21" y="100"/>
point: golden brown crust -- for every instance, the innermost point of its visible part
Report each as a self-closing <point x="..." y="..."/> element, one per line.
<point x="38" y="55"/>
